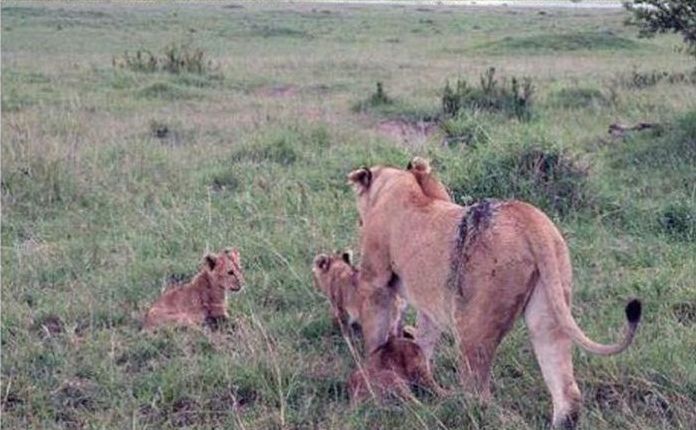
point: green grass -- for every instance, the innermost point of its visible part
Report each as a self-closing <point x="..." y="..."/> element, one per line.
<point x="115" y="182"/>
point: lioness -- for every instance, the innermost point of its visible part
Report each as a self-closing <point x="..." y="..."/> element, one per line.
<point x="472" y="270"/>
<point x="204" y="298"/>
<point x="392" y="367"/>
<point x="336" y="277"/>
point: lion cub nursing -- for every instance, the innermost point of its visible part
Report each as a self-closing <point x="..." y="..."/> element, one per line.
<point x="204" y="298"/>
<point x="392" y="367"/>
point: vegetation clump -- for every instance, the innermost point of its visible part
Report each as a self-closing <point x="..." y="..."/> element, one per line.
<point x="493" y="95"/>
<point x="665" y="16"/>
<point x="176" y="58"/>
<point x="544" y="176"/>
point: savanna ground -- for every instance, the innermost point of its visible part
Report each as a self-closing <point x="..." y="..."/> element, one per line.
<point x="115" y="181"/>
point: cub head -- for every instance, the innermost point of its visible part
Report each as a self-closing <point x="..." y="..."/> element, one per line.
<point x="336" y="277"/>
<point x="431" y="186"/>
<point x="224" y="269"/>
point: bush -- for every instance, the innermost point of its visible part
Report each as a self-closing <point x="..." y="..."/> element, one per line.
<point x="665" y="16"/>
<point x="679" y="220"/>
<point x="514" y="99"/>
<point x="175" y="58"/>
<point x="377" y="99"/>
<point x="546" y="177"/>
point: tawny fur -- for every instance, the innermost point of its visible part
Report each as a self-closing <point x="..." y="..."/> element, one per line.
<point x="336" y="277"/>
<point x="471" y="270"/>
<point x="204" y="298"/>
<point x="392" y="368"/>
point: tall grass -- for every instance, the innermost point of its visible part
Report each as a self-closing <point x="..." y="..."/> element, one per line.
<point x="115" y="182"/>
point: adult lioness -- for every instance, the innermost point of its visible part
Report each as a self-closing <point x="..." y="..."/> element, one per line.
<point x="473" y="270"/>
<point x="204" y="298"/>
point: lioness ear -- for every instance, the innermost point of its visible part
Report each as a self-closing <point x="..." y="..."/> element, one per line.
<point x="210" y="260"/>
<point x="418" y="164"/>
<point x="347" y="256"/>
<point x="361" y="178"/>
<point x="322" y="262"/>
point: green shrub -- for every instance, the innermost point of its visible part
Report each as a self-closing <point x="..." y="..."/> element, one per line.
<point x="513" y="99"/>
<point x="176" y="58"/>
<point x="544" y="176"/>
<point x="679" y="220"/>
<point x="377" y="99"/>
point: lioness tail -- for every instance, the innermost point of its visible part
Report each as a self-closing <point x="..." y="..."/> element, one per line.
<point x="550" y="279"/>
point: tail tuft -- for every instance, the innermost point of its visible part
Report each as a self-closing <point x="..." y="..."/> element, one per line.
<point x="633" y="311"/>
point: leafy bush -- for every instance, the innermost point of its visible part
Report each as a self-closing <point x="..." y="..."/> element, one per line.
<point x="665" y="16"/>
<point x="514" y="99"/>
<point x="176" y="58"/>
<point x="679" y="220"/>
<point x="545" y="176"/>
<point x="376" y="99"/>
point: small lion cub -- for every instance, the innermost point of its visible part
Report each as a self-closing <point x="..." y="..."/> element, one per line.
<point x="204" y="298"/>
<point x="337" y="277"/>
<point x="392" y="368"/>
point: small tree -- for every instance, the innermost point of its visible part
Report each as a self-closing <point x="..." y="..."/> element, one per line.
<point x="664" y="16"/>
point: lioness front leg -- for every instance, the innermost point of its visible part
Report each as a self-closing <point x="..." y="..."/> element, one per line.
<point x="376" y="315"/>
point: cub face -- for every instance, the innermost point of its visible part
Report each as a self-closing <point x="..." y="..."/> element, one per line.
<point x="336" y="277"/>
<point x="224" y="269"/>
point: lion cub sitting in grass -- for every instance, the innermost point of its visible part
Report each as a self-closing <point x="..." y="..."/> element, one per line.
<point x="392" y="369"/>
<point x="204" y="298"/>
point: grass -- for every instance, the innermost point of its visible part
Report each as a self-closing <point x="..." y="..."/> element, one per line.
<point x="115" y="182"/>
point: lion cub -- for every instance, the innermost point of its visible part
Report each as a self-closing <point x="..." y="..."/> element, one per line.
<point x="204" y="298"/>
<point x="336" y="277"/>
<point x="392" y="369"/>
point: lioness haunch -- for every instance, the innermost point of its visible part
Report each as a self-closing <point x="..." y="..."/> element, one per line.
<point x="204" y="298"/>
<point x="392" y="369"/>
<point x="472" y="270"/>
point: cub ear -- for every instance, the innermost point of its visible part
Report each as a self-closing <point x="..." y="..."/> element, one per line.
<point x="209" y="261"/>
<point x="361" y="178"/>
<point x="322" y="262"/>
<point x="347" y="256"/>
<point x="418" y="164"/>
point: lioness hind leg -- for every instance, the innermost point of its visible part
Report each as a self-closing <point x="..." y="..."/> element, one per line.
<point x="553" y="350"/>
